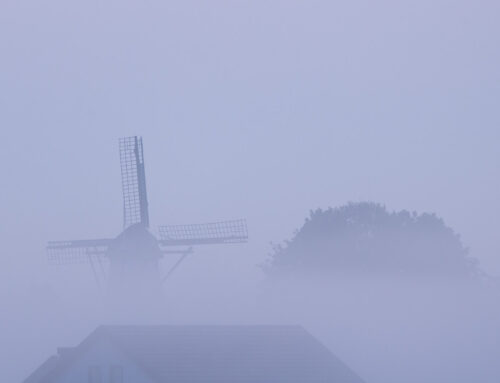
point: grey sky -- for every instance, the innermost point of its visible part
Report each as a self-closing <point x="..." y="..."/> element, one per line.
<point x="255" y="109"/>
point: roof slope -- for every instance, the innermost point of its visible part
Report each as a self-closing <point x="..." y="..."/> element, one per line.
<point x="43" y="370"/>
<point x="219" y="354"/>
<point x="232" y="354"/>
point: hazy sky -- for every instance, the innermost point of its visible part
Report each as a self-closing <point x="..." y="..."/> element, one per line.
<point x="256" y="109"/>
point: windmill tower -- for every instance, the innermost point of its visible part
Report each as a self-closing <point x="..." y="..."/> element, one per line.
<point x="130" y="262"/>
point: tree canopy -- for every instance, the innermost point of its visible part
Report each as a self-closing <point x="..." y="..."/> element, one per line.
<point x="366" y="238"/>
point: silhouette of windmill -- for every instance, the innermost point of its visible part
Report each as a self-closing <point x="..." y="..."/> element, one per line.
<point x="134" y="255"/>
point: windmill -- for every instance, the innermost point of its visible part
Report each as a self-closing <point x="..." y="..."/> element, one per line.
<point x="134" y="255"/>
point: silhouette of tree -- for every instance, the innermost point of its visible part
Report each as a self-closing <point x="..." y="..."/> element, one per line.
<point x="366" y="238"/>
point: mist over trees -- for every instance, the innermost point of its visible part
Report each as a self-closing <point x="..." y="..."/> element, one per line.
<point x="366" y="238"/>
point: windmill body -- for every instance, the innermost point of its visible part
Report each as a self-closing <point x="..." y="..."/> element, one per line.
<point x="134" y="258"/>
<point x="130" y="262"/>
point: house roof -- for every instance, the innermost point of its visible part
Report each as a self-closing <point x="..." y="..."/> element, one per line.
<point x="222" y="354"/>
<point x="41" y="372"/>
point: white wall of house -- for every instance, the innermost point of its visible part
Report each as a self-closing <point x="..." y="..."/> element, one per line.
<point x="102" y="353"/>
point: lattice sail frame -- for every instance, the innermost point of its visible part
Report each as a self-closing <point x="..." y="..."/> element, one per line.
<point x="234" y="231"/>
<point x="135" y="201"/>
<point x="76" y="252"/>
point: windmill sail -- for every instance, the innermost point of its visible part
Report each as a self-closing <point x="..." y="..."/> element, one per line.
<point x="204" y="234"/>
<point x="73" y="252"/>
<point x="135" y="201"/>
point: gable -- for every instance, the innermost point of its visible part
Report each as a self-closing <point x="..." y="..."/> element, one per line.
<point x="103" y="355"/>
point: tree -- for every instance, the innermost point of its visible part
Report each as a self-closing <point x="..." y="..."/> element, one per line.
<point x="366" y="238"/>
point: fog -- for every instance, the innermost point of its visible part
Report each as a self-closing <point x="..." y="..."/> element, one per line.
<point x="260" y="110"/>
